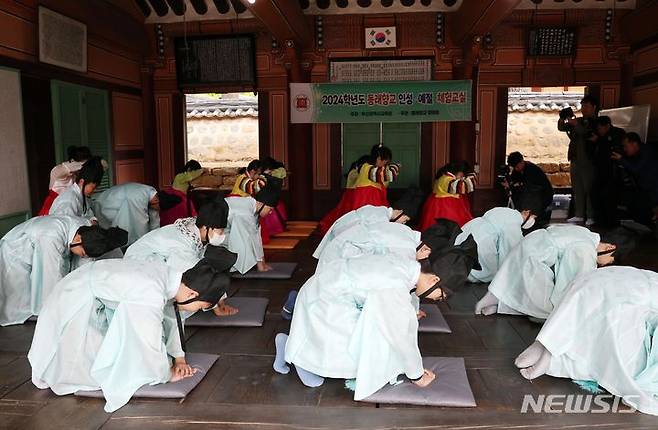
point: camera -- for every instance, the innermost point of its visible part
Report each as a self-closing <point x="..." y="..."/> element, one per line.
<point x="566" y="113"/>
<point x="503" y="174"/>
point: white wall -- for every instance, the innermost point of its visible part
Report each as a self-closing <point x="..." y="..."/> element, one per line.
<point x="14" y="185"/>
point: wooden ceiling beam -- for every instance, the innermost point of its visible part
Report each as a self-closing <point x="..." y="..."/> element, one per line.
<point x="477" y="18"/>
<point x="284" y="19"/>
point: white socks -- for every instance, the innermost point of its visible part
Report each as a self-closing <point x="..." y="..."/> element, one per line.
<point x="488" y="305"/>
<point x="280" y="365"/>
<point x="530" y="356"/>
<point x="534" y="361"/>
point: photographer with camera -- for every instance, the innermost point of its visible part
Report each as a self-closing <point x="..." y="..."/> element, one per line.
<point x="581" y="132"/>
<point x="609" y="173"/>
<point x="527" y="182"/>
<point x="641" y="161"/>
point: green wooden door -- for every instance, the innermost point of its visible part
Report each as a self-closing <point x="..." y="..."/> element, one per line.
<point x="402" y="138"/>
<point x="81" y="117"/>
<point x="358" y="140"/>
<point x="97" y="129"/>
<point x="404" y="141"/>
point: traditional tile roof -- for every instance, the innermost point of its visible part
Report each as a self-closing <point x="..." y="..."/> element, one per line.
<point x="523" y="101"/>
<point x="200" y="107"/>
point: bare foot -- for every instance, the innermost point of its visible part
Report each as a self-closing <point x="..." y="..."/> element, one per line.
<point x="426" y="379"/>
<point x="421" y="314"/>
<point x="224" y="310"/>
<point x="262" y="266"/>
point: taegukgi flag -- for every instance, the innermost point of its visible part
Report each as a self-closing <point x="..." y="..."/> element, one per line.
<point x="380" y="37"/>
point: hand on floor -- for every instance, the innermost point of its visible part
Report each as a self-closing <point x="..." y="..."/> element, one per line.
<point x="224" y="310"/>
<point x="262" y="266"/>
<point x="426" y="379"/>
<point x="181" y="370"/>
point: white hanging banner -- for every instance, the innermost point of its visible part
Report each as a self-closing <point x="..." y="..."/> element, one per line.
<point x="380" y="70"/>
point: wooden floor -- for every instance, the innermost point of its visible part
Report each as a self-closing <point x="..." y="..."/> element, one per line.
<point x="242" y="392"/>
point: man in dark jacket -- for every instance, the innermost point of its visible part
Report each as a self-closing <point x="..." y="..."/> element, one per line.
<point x="527" y="182"/>
<point x="641" y="161"/>
<point x="608" y="180"/>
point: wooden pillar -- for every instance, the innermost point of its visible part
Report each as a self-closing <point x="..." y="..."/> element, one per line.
<point x="148" y="117"/>
<point x="463" y="133"/>
<point x="300" y="149"/>
<point x="626" y="87"/>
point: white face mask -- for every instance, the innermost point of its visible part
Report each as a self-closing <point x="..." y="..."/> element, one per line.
<point x="216" y="239"/>
<point x="528" y="224"/>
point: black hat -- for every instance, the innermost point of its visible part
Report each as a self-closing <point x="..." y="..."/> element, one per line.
<point x="96" y="241"/>
<point x="270" y="194"/>
<point x="168" y="200"/>
<point x="205" y="280"/>
<point x="453" y="265"/>
<point x="531" y="200"/>
<point x="410" y="202"/>
<point x="220" y="258"/>
<point x="213" y="214"/>
<point x="441" y="235"/>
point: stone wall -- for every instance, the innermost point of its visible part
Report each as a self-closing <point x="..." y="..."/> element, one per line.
<point x="558" y="174"/>
<point x="222" y="141"/>
<point x="535" y="135"/>
<point x="222" y="178"/>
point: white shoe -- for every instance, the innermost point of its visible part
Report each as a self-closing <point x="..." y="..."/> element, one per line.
<point x="575" y="220"/>
<point x="589" y="222"/>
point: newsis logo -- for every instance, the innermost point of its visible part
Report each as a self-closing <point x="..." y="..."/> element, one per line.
<point x="578" y="404"/>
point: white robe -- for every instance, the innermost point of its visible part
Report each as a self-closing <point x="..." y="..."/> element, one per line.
<point x="371" y="238"/>
<point x="69" y="203"/>
<point x="536" y="274"/>
<point x="34" y="256"/>
<point x="62" y="176"/>
<point x="127" y="206"/>
<point x="178" y="246"/>
<point x="363" y="216"/>
<point x="356" y="319"/>
<point x="496" y="233"/>
<point x="605" y="329"/>
<point x="102" y="329"/>
<point x="243" y="233"/>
